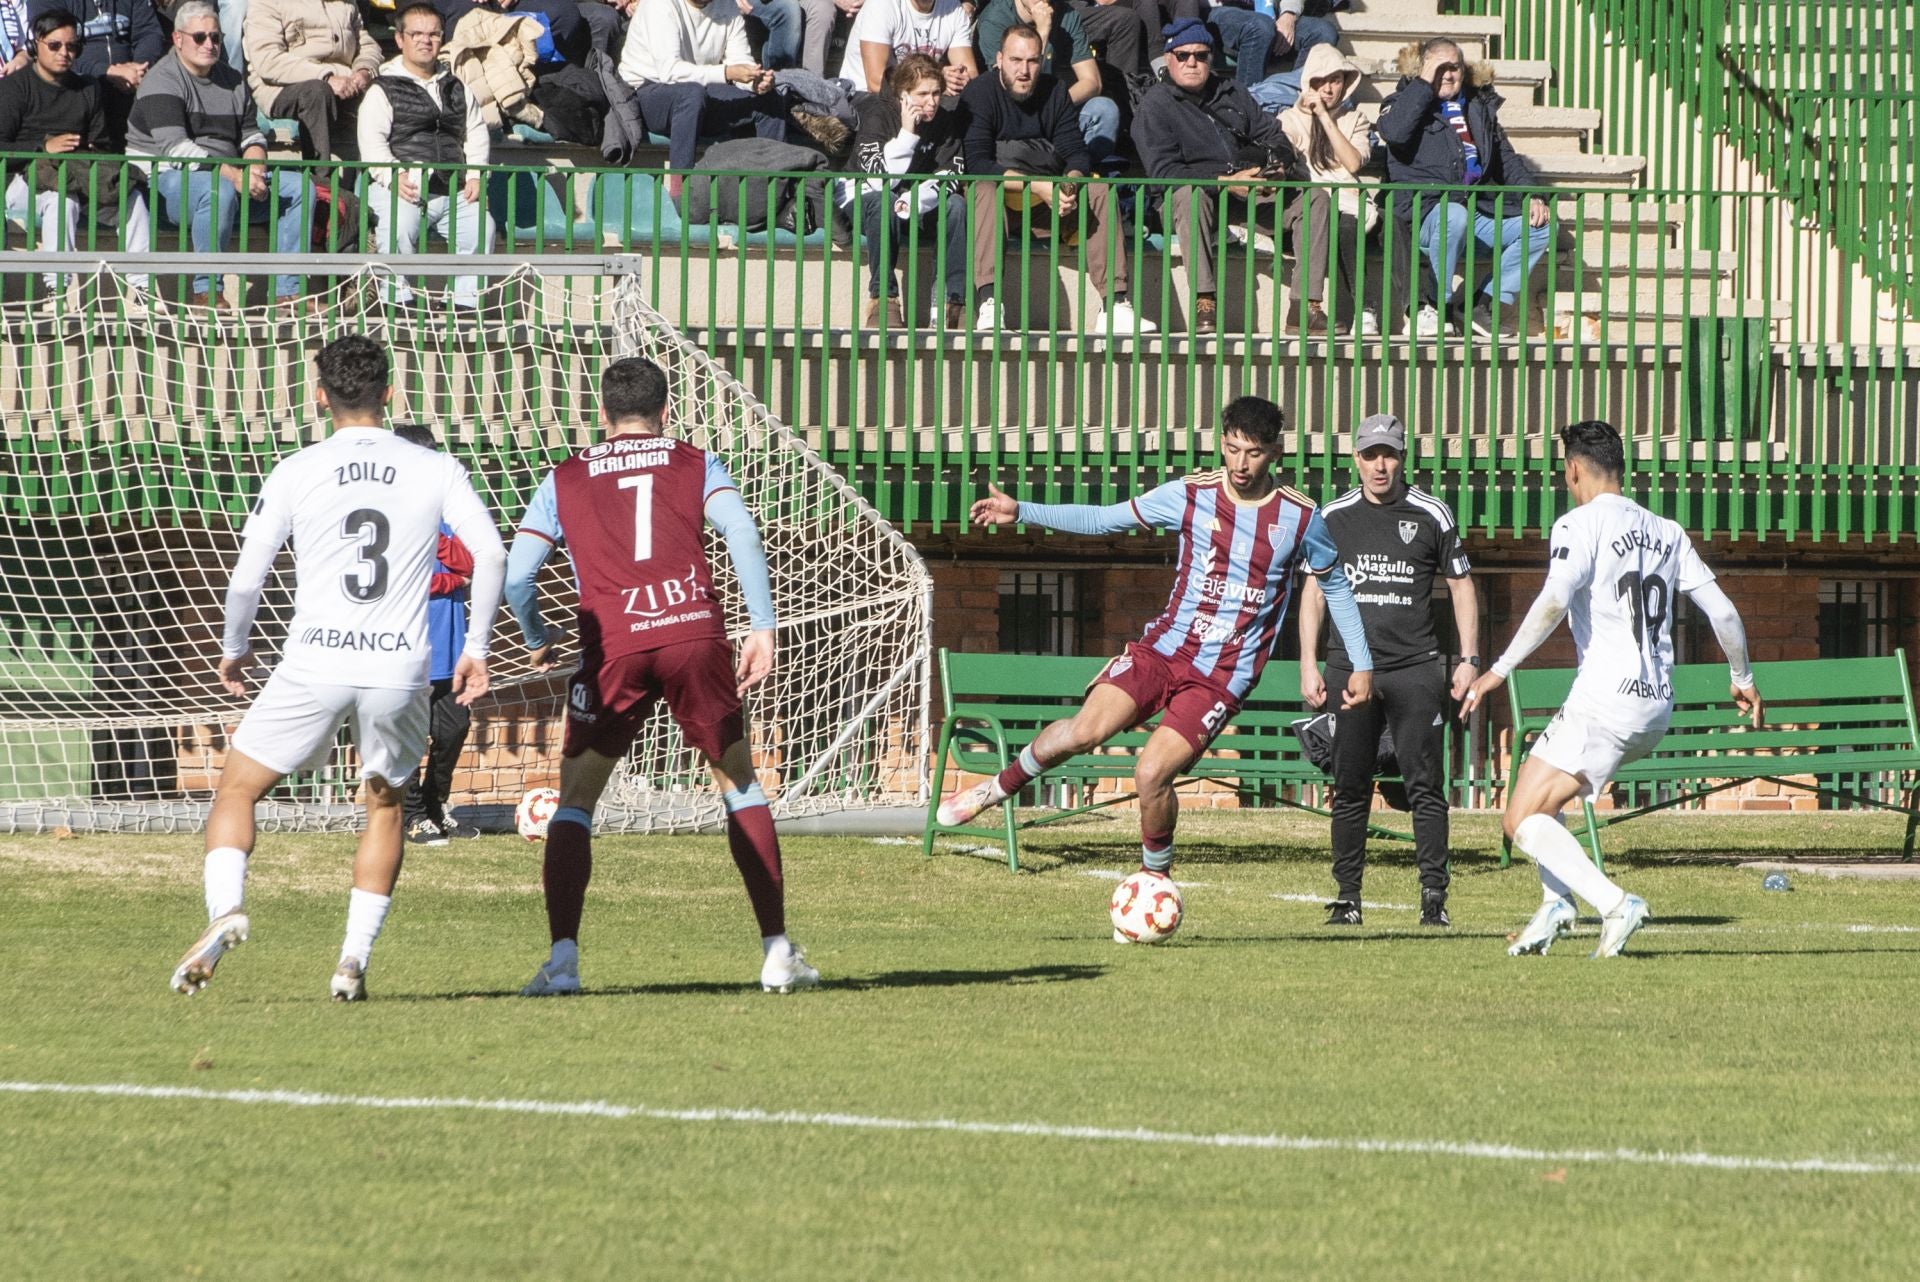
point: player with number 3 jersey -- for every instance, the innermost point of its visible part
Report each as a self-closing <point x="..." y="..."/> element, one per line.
<point x="632" y="512"/>
<point x="363" y="510"/>
<point x="1614" y="571"/>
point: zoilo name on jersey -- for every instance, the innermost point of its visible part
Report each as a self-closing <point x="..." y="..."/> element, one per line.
<point x="1638" y="539"/>
<point x="627" y="462"/>
<point x="349" y="639"/>
<point x="355" y="473"/>
<point x="1642" y="689"/>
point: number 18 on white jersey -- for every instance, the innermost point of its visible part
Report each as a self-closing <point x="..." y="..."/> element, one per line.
<point x="1623" y="569"/>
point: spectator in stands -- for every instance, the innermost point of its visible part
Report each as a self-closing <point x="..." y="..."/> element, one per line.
<point x="1296" y="35"/>
<point x="907" y="134"/>
<point x="416" y="113"/>
<point x="694" y="74"/>
<point x="123" y="38"/>
<point x="14" y="37"/>
<point x="1329" y="223"/>
<point x="1064" y="56"/>
<point x="47" y="108"/>
<point x="1200" y="125"/>
<point x="191" y="105"/>
<point x="1022" y="125"/>
<point x="1122" y="34"/>
<point x="788" y="23"/>
<point x="887" y="30"/>
<point x="1443" y="132"/>
<point x="233" y="26"/>
<point x="311" y="61"/>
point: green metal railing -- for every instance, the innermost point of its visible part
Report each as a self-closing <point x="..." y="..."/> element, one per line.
<point x="1743" y="417"/>
<point x="1820" y="97"/>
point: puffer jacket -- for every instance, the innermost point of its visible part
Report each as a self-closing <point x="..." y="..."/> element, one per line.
<point x="289" y="42"/>
<point x="1423" y="148"/>
<point x="494" y="54"/>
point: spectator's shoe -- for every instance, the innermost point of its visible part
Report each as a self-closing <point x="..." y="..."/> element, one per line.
<point x="1617" y="927"/>
<point x="1126" y="321"/>
<point x="1480" y="320"/>
<point x="458" y="831"/>
<point x="1343" y="912"/>
<point x="786" y="969"/>
<point x="1206" y="314"/>
<point x="1313" y="323"/>
<point x="210" y="301"/>
<point x="833" y="135"/>
<point x="1513" y="320"/>
<point x="196" y="968"/>
<point x="1433" y="909"/>
<point x="1554" y="919"/>
<point x="895" y="314"/>
<point x="297" y="306"/>
<point x="555" y="979"/>
<point x="349" y="982"/>
<point x="949" y="313"/>
<point x="961" y="807"/>
<point x="422" y="831"/>
<point x="988" y="317"/>
<point x="1427" y="323"/>
<point x="1369" y="325"/>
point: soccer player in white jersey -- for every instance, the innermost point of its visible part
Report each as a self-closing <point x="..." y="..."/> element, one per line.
<point x="363" y="509"/>
<point x="1615" y="569"/>
<point x="1241" y="537"/>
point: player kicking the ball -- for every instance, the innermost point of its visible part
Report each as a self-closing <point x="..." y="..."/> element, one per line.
<point x="364" y="510"/>
<point x="1241" y="535"/>
<point x="631" y="511"/>
<point x="1615" y="568"/>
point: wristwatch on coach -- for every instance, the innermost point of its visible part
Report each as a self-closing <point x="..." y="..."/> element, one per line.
<point x="1473" y="659"/>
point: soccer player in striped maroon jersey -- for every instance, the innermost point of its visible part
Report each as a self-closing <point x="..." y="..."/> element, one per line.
<point x="1241" y="535"/>
<point x="632" y="511"/>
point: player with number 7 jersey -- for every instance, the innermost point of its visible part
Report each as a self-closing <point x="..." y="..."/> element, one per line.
<point x="631" y="512"/>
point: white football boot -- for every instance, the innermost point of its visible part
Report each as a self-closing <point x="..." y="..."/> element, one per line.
<point x="1555" y="918"/>
<point x="196" y="968"/>
<point x="349" y="982"/>
<point x="961" y="807"/>
<point x="555" y="979"/>
<point x="1617" y="927"/>
<point x="786" y="969"/>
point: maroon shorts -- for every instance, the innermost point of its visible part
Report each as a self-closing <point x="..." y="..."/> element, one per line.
<point x="606" y="705"/>
<point x="1196" y="707"/>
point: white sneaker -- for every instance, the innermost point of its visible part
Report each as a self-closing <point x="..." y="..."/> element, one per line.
<point x="1426" y="323"/>
<point x="988" y="317"/>
<point x="196" y="968"/>
<point x="349" y="982"/>
<point x="963" y="806"/>
<point x="1126" y="321"/>
<point x="555" y="979"/>
<point x="786" y="969"/>
<point x="1617" y="927"/>
<point x="1369" y="325"/>
<point x="1554" y="919"/>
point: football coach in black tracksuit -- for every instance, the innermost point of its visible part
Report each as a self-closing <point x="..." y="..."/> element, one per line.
<point x="1393" y="539"/>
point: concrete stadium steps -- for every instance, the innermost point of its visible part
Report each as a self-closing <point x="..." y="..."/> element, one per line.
<point x="1578" y="169"/>
<point x="1371" y="35"/>
<point x="1549" y="130"/>
<point x="1619" y="226"/>
<point x="1655" y="300"/>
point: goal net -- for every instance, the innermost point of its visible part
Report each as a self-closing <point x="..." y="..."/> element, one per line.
<point x="137" y="439"/>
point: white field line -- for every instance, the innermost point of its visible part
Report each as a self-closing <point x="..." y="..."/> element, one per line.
<point x="1324" y="900"/>
<point x="1025" y="1130"/>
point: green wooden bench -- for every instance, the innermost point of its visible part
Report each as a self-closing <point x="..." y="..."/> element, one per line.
<point x="995" y="704"/>
<point x="1834" y="719"/>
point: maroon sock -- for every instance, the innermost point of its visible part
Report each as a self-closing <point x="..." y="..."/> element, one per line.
<point x="1024" y="769"/>
<point x="1156" y="847"/>
<point x="756" y="852"/>
<point x="568" y="868"/>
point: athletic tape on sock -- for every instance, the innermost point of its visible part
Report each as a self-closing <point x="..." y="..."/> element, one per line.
<point x="743" y="798"/>
<point x="225" y="877"/>
<point x="572" y="815"/>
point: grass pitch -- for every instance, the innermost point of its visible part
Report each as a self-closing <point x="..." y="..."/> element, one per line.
<point x="1752" y="1026"/>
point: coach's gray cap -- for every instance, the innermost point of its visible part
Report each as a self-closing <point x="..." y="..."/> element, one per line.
<point x="1379" y="429"/>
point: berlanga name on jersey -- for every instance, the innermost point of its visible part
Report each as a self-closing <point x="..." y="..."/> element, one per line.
<point x="625" y="456"/>
<point x="352" y="639"/>
<point x="1641" y="689"/>
<point x="650" y="603"/>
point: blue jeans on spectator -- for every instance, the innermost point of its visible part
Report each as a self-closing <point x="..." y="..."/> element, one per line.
<point x="233" y="15"/>
<point x="687" y="112"/>
<point x="1443" y="238"/>
<point x="1281" y="90"/>
<point x="189" y="198"/>
<point x="878" y="215"/>
<point x="1248" y="36"/>
<point x="1100" y="127"/>
<point x="785" y="25"/>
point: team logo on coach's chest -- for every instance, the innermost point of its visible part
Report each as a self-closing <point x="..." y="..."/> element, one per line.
<point x="1409" y="530"/>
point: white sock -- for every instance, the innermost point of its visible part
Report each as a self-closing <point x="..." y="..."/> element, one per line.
<point x="1552" y="889"/>
<point x="769" y="942"/>
<point x="1558" y="853"/>
<point x="226" y="880"/>
<point x="366" y="914"/>
<point x="566" y="952"/>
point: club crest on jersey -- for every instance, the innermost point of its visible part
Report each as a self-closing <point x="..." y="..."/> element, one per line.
<point x="1408" y="531"/>
<point x="1119" y="665"/>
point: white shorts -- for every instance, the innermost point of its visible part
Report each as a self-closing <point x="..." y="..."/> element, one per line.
<point x="293" y="721"/>
<point x="1583" y="746"/>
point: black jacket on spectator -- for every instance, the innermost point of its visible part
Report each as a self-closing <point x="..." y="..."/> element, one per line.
<point x="938" y="150"/>
<point x="1205" y="134"/>
<point x="115" y="31"/>
<point x="31" y="110"/>
<point x="1423" y="148"/>
<point x="995" y="117"/>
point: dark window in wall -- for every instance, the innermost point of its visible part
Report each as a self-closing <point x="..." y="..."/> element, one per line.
<point x="1041" y="612"/>
<point x="1855" y="622"/>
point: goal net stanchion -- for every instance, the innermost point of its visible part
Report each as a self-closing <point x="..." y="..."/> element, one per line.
<point x="133" y="452"/>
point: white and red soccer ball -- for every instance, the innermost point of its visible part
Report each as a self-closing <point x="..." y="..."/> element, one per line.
<point x="534" y="812"/>
<point x="1145" y="908"/>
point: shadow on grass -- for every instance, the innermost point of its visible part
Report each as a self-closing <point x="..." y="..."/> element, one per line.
<point x="849" y="984"/>
<point x="1041" y="858"/>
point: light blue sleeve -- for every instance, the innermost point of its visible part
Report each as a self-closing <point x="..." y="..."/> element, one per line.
<point x="728" y="514"/>
<point x="1323" y="560"/>
<point x="524" y="559"/>
<point x="1162" y="508"/>
<point x="717" y="478"/>
<point x="543" y="513"/>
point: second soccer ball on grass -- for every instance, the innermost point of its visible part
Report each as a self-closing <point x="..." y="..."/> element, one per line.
<point x="534" y="811"/>
<point x="1145" y="909"/>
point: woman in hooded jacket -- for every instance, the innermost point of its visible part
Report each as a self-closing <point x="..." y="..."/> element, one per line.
<point x="1330" y="220"/>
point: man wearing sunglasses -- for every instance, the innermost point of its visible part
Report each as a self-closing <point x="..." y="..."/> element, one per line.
<point x="1200" y="125"/>
<point x="192" y="106"/>
<point x="123" y="38"/>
